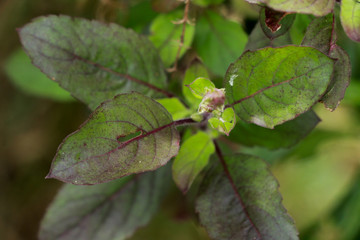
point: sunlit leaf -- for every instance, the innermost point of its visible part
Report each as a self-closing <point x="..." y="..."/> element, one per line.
<point x="166" y="34"/>
<point x="282" y="136"/>
<point x="350" y="18"/>
<point x="193" y="156"/>
<point x="240" y="200"/>
<point x="273" y="85"/>
<point x="111" y="211"/>
<point x="196" y="70"/>
<point x="315" y="7"/>
<point x="31" y="80"/>
<point x="200" y="86"/>
<point x="218" y="41"/>
<point x="225" y="123"/>
<point x="92" y="60"/>
<point x="174" y="107"/>
<point x="128" y="134"/>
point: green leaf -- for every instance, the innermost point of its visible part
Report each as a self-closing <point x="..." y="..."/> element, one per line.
<point x="205" y="3"/>
<point x="320" y="34"/>
<point x="282" y="136"/>
<point x="92" y="60"/>
<point x="350" y="18"/>
<point x="174" y="107"/>
<point x="200" y="86"/>
<point x="196" y="70"/>
<point x="258" y="39"/>
<point x="243" y="202"/>
<point x="108" y="211"/>
<point x="299" y="27"/>
<point x="130" y="134"/>
<point x="315" y="7"/>
<point x="340" y="79"/>
<point x="193" y="156"/>
<point x="31" y="80"/>
<point x="166" y="34"/>
<point x="274" y="85"/>
<point x="274" y="23"/>
<point x="218" y="41"/>
<point x="225" y="123"/>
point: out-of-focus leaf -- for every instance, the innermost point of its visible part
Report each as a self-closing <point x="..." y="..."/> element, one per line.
<point x="193" y="156"/>
<point x="340" y="79"/>
<point x="128" y="134"/>
<point x="320" y="34"/>
<point x="31" y="80"/>
<point x="205" y="3"/>
<point x="314" y="7"/>
<point x="299" y="27"/>
<point x="350" y="18"/>
<point x="282" y="136"/>
<point x="218" y="41"/>
<point x="258" y="39"/>
<point x="166" y="34"/>
<point x="174" y="107"/>
<point x="273" y="85"/>
<point x="274" y="23"/>
<point x="195" y="71"/>
<point x="108" y="211"/>
<point x="241" y="201"/>
<point x="92" y="60"/>
<point x="164" y="6"/>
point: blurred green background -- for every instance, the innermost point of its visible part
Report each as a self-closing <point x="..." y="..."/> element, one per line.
<point x="319" y="178"/>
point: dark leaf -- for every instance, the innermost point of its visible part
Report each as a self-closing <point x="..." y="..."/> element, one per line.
<point x="320" y="33"/>
<point x="282" y="136"/>
<point x="274" y="23"/>
<point x="92" y="60"/>
<point x="241" y="201"/>
<point x="273" y="85"/>
<point x="340" y="79"/>
<point x="258" y="39"/>
<point x="164" y="6"/>
<point x="101" y="150"/>
<point x="111" y="211"/>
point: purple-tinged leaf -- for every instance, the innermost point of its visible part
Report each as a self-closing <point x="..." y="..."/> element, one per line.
<point x="350" y="18"/>
<point x="340" y="79"/>
<point x="274" y="23"/>
<point x="193" y="156"/>
<point x="315" y="7"/>
<point x="92" y="60"/>
<point x="129" y="134"/>
<point x="240" y="200"/>
<point x="111" y="211"/>
<point x="274" y="85"/>
<point x="320" y="34"/>
<point x="282" y="136"/>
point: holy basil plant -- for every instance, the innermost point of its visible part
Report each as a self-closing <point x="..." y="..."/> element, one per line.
<point x="141" y="108"/>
